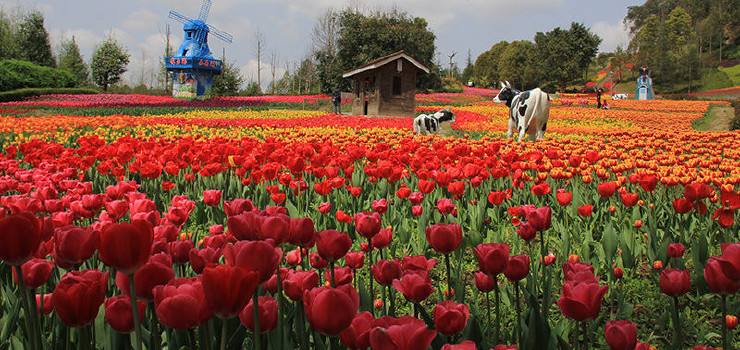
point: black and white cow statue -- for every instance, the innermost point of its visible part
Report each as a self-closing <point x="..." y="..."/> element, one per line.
<point x="619" y="97"/>
<point x="431" y="123"/>
<point x="528" y="111"/>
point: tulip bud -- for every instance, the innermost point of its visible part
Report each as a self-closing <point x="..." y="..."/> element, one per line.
<point x="657" y="265"/>
<point x="449" y="293"/>
<point x="378" y="304"/>
<point x="638" y="224"/>
<point x="549" y="259"/>
<point x="731" y="321"/>
<point x="573" y="258"/>
<point x="618" y="272"/>
<point x="612" y="209"/>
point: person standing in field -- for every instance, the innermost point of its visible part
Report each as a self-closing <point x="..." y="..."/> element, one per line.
<point x="599" y="92"/>
<point x="337" y="101"/>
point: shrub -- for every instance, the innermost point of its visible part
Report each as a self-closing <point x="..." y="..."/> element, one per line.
<point x="15" y="74"/>
<point x="22" y="94"/>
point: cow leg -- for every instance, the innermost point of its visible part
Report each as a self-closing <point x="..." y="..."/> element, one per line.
<point x="510" y="132"/>
<point x="522" y="131"/>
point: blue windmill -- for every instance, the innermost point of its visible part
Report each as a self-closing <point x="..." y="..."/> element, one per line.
<point x="193" y="66"/>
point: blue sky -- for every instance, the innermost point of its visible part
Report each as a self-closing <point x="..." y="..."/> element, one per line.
<point x="286" y="24"/>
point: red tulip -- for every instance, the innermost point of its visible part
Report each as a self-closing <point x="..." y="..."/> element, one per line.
<point x="78" y="296"/>
<point x="517" y="268"/>
<point x="118" y="313"/>
<point x="296" y="283"/>
<point x="324" y="208"/>
<point x="618" y="272"/>
<point x="483" y="282"/>
<point x="445" y="206"/>
<point x="181" y="303"/>
<point x="156" y="272"/>
<point x="540" y="218"/>
<point x="258" y="256"/>
<point x="342" y="275"/>
<point x="212" y="198"/>
<point x="317" y="262"/>
<point x="629" y="199"/>
<point x="492" y="257"/>
<point x="456" y="188"/>
<point x="294" y="257"/>
<point x="367" y="224"/>
<point x="564" y="198"/>
<point x="228" y="288"/>
<point x="725" y="217"/>
<point x="276" y="228"/>
<point x="386" y="271"/>
<point x="331" y="310"/>
<point x="730" y="321"/>
<point x="578" y="272"/>
<point x="383" y="238"/>
<point x="675" y="282"/>
<point x="697" y="191"/>
<point x="35" y="272"/>
<point x="607" y="189"/>
<point x="585" y="210"/>
<point x="20" y="237"/>
<point x="716" y="279"/>
<point x="417" y="210"/>
<point x="505" y="347"/>
<point x="302" y="231"/>
<point x="200" y="258"/>
<point x="466" y="345"/>
<point x="47" y="306"/>
<point x="581" y="301"/>
<point x="238" y="206"/>
<point x="541" y="189"/>
<point x="414" y="287"/>
<point x="416" y="197"/>
<point x="180" y="250"/>
<point x="245" y="226"/>
<point x="73" y="245"/>
<point x="418" y="264"/>
<point x="403" y="193"/>
<point x="621" y="335"/>
<point x="268" y="312"/>
<point x="380" y="206"/>
<point x="676" y="250"/>
<point x="648" y="182"/>
<point x="450" y="318"/>
<point x="730" y="261"/>
<point x="357" y="335"/>
<point x="526" y="231"/>
<point x="682" y="205"/>
<point x="354" y="260"/>
<point x="444" y="238"/>
<point x="126" y="247"/>
<point x="411" y="334"/>
<point x="496" y="198"/>
<point x="332" y="245"/>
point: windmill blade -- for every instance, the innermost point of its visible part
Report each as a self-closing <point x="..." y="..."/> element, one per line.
<point x="221" y="34"/>
<point x="204" y="10"/>
<point x="179" y="17"/>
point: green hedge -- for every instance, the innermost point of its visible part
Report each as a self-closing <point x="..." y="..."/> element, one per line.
<point x="22" y="94"/>
<point x="15" y="74"/>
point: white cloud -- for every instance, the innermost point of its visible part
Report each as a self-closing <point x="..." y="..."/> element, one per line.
<point x="249" y="72"/>
<point x="142" y="21"/>
<point x="612" y="35"/>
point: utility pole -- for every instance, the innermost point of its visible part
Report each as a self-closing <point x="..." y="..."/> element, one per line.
<point x="451" y="63"/>
<point x="167" y="54"/>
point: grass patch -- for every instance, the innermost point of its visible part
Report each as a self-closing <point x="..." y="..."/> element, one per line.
<point x="717" y="118"/>
<point x="733" y="73"/>
<point x="22" y="94"/>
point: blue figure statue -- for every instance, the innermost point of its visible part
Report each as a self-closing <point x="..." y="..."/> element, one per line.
<point x="193" y="66"/>
<point x="644" y="85"/>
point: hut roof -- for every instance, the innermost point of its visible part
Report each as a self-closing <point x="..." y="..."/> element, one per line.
<point x="382" y="61"/>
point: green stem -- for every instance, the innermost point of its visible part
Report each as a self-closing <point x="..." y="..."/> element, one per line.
<point x="585" y="335"/>
<point x="449" y="276"/>
<point x="488" y="309"/>
<point x="300" y="325"/>
<point x="725" y="336"/>
<point x="29" y="306"/>
<point x="331" y="273"/>
<point x="279" y="297"/>
<point x="518" y="314"/>
<point x="392" y="297"/>
<point x="370" y="272"/>
<point x="497" y="292"/>
<point x="135" y="310"/>
<point x="256" y="315"/>
<point x="677" y="335"/>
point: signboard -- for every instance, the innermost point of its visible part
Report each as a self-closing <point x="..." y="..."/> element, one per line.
<point x="184" y="86"/>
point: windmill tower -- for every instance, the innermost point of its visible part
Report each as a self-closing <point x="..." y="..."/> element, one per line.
<point x="193" y="66"/>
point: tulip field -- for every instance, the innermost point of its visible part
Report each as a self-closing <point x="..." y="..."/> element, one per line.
<point x="145" y="222"/>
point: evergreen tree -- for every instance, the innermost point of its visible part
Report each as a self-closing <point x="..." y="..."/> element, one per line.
<point x="109" y="62"/>
<point x="33" y="40"/>
<point x="71" y="59"/>
<point x="228" y="82"/>
<point x="516" y="65"/>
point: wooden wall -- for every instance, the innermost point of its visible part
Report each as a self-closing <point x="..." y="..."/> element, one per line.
<point x="381" y="101"/>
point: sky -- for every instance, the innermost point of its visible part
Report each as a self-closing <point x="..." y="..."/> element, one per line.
<point x="286" y="25"/>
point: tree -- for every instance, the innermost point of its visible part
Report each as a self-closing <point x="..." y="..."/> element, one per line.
<point x="516" y="64"/>
<point x="486" y="69"/>
<point x="109" y="62"/>
<point x="325" y="39"/>
<point x="365" y="37"/>
<point x="33" y="40"/>
<point x="259" y="48"/>
<point x="229" y="81"/>
<point x="71" y="60"/>
<point x="468" y="71"/>
<point x="8" y="44"/>
<point x="563" y="56"/>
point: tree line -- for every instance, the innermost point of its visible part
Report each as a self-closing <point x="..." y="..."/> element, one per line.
<point x="25" y="45"/>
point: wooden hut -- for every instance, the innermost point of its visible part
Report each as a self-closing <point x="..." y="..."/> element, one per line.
<point x="386" y="86"/>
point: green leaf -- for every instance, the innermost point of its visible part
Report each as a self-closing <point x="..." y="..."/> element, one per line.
<point x="609" y="242"/>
